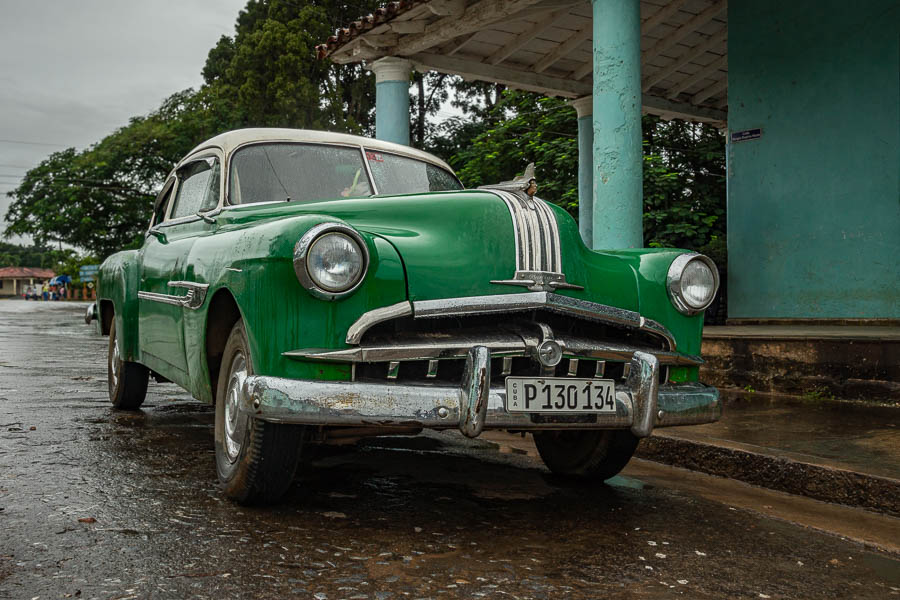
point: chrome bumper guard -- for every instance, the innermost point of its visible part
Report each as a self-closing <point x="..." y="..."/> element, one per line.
<point x="641" y="404"/>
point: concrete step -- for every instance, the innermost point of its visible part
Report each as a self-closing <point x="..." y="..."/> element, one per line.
<point x="850" y="362"/>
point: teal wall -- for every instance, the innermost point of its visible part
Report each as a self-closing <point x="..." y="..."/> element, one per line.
<point x="814" y="204"/>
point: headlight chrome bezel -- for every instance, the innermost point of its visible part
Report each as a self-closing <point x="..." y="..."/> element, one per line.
<point x="673" y="282"/>
<point x="301" y="262"/>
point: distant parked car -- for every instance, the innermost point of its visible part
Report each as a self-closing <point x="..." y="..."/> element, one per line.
<point x="321" y="287"/>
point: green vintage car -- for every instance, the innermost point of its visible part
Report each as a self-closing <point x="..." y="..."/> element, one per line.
<point x="320" y="288"/>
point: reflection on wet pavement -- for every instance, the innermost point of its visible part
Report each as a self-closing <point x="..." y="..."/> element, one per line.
<point x="842" y="434"/>
<point x="125" y="505"/>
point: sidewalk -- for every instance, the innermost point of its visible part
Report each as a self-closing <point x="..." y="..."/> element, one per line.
<point x="828" y="450"/>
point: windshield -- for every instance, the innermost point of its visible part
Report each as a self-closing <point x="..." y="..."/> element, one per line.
<point x="308" y="172"/>
<point x="297" y="172"/>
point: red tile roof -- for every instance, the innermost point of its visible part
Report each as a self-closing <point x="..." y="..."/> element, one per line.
<point x="20" y="272"/>
<point x="364" y="24"/>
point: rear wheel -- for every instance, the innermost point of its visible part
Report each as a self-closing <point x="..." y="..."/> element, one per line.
<point x="597" y="455"/>
<point x="255" y="460"/>
<point x="127" y="381"/>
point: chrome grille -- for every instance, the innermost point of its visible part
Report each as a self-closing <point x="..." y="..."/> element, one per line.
<point x="510" y="341"/>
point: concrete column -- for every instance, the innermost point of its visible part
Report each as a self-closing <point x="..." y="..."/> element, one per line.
<point x="392" y="99"/>
<point x="584" y="109"/>
<point x="617" y="180"/>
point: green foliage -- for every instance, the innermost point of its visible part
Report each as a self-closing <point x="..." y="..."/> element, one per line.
<point x="684" y="163"/>
<point x="817" y="394"/>
<point x="41" y="257"/>
<point x="519" y="129"/>
<point x="270" y="71"/>
<point x="99" y="199"/>
<point x="684" y="185"/>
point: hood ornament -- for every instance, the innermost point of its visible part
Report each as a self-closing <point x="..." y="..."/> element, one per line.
<point x="524" y="186"/>
<point x="538" y="254"/>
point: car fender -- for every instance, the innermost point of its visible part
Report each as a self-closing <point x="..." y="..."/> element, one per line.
<point x="253" y="262"/>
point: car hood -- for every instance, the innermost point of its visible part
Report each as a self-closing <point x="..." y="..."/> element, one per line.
<point x="456" y="244"/>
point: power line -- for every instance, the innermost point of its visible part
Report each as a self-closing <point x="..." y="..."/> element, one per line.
<point x="30" y="143"/>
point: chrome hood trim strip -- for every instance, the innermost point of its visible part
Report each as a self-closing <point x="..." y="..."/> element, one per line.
<point x="538" y="246"/>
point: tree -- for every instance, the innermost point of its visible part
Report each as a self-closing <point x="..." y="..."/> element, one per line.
<point x="13" y="255"/>
<point x="100" y="199"/>
<point x="518" y="129"/>
<point x="269" y="68"/>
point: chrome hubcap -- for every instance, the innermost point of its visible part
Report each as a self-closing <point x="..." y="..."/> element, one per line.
<point x="235" y="426"/>
<point x="114" y="364"/>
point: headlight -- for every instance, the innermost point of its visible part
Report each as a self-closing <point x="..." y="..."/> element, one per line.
<point x="330" y="260"/>
<point x="692" y="281"/>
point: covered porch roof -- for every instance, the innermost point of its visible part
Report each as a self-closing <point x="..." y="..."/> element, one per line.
<point x="546" y="46"/>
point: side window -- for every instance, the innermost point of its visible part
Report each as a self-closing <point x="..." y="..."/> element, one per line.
<point x="159" y="214"/>
<point x="198" y="188"/>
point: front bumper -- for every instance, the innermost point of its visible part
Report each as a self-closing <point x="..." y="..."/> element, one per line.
<point x="641" y="404"/>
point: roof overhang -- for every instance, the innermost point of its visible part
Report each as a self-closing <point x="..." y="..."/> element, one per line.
<point x="545" y="46"/>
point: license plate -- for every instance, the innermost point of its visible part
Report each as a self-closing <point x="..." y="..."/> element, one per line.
<point x="560" y="394"/>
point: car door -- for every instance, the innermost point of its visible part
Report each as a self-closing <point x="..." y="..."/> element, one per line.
<point x="164" y="295"/>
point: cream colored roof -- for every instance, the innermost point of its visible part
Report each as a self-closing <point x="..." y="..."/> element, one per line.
<point x="231" y="140"/>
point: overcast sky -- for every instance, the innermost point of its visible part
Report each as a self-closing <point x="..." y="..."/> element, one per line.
<point x="72" y="71"/>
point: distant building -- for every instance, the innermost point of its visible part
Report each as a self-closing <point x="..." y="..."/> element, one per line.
<point x="15" y="280"/>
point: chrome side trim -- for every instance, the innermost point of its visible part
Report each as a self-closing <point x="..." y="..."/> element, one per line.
<point x="374" y="317"/>
<point x="194" y="299"/>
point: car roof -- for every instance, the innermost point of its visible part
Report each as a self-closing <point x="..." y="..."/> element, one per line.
<point x="230" y="140"/>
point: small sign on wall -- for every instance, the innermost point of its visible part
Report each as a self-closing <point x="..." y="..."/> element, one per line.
<point x="746" y="134"/>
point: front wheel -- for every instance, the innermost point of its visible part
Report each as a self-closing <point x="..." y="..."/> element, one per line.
<point x="127" y="381"/>
<point x="597" y="455"/>
<point x="255" y="460"/>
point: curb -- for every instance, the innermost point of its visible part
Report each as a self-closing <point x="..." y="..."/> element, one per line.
<point x="829" y="484"/>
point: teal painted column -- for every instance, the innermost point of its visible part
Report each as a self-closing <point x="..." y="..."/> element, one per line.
<point x="392" y="99"/>
<point x="617" y="180"/>
<point x="584" y="109"/>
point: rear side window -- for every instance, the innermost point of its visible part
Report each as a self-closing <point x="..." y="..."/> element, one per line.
<point x="198" y="188"/>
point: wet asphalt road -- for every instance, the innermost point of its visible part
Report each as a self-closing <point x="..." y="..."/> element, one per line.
<point x="99" y="504"/>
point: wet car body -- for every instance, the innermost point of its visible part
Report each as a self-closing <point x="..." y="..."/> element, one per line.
<point x="459" y="296"/>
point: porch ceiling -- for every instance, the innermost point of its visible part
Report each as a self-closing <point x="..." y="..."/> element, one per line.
<point x="545" y="46"/>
